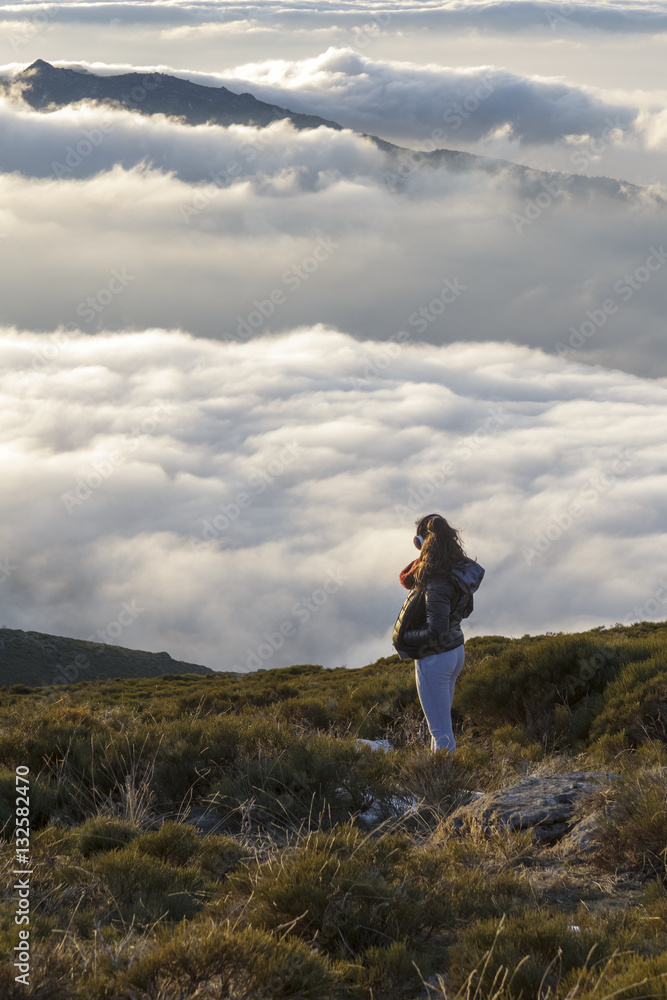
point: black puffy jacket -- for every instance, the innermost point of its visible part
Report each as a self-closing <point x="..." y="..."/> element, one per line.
<point x="433" y="624"/>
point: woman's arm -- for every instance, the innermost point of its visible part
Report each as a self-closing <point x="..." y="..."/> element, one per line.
<point x="438" y="609"/>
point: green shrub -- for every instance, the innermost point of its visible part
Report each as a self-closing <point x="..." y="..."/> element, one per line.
<point x="529" y="950"/>
<point x="175" y="843"/>
<point x="54" y="841"/>
<point x="343" y="889"/>
<point x="219" y="855"/>
<point x="627" y="976"/>
<point x="306" y="902"/>
<point x="387" y="971"/>
<point x="523" y="684"/>
<point x="633" y="832"/>
<point x="147" y="887"/>
<point x="440" y="780"/>
<point x="43" y="801"/>
<point x="635" y="702"/>
<point x="245" y="963"/>
<point x="311" y="777"/>
<point x="102" y="833"/>
<point x="307" y="711"/>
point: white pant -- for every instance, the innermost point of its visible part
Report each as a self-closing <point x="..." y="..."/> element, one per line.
<point x="436" y="677"/>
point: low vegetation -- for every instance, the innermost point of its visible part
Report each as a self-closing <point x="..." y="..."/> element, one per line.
<point x="199" y="836"/>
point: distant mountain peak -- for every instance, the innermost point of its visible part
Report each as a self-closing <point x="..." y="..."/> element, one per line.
<point x="35" y="658"/>
<point x="45" y="86"/>
<point x="39" y="65"/>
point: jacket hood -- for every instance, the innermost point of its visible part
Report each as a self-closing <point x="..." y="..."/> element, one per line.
<point x="468" y="574"/>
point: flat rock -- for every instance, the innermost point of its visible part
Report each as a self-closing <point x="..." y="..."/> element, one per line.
<point x="584" y="836"/>
<point x="545" y="804"/>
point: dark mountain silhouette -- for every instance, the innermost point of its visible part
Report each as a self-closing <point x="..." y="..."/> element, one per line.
<point x="44" y="86"/>
<point x="37" y="659"/>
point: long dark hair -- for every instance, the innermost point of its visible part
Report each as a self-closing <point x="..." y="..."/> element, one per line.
<point x="441" y="548"/>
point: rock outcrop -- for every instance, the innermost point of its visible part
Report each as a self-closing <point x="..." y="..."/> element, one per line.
<point x="549" y="805"/>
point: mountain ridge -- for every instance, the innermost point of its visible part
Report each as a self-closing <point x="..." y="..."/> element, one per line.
<point x="38" y="659"/>
<point x="44" y="86"/>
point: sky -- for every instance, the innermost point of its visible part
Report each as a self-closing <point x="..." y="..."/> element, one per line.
<point x="239" y="363"/>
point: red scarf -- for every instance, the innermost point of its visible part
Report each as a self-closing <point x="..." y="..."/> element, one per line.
<point x="407" y="575"/>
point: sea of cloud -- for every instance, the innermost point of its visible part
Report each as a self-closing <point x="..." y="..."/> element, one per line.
<point x="206" y="224"/>
<point x="542" y="120"/>
<point x="239" y="363"/>
<point x="498" y="15"/>
<point x="251" y="504"/>
<point x="620" y="43"/>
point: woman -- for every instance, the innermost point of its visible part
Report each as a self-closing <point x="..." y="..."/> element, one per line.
<point x="441" y="581"/>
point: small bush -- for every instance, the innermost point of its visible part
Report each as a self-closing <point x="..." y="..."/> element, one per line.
<point x="345" y="890"/>
<point x="388" y="971"/>
<point x="247" y="963"/>
<point x="523" y="684"/>
<point x="627" y="976"/>
<point x="529" y="950"/>
<point x="308" y="778"/>
<point x="220" y="855"/>
<point x="102" y="833"/>
<point x="43" y="802"/>
<point x="148" y="887"/>
<point x="175" y="843"/>
<point x="635" y="702"/>
<point x="633" y="831"/>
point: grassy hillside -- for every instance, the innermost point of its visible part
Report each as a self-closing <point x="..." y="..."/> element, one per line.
<point x="38" y="659"/>
<point x="231" y="837"/>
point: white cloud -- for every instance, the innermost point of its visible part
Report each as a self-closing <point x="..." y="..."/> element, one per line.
<point x="82" y="141"/>
<point x="127" y="443"/>
<point x="321" y="219"/>
<point x="502" y="15"/>
<point x="543" y="121"/>
<point x="296" y="460"/>
<point x="405" y="102"/>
